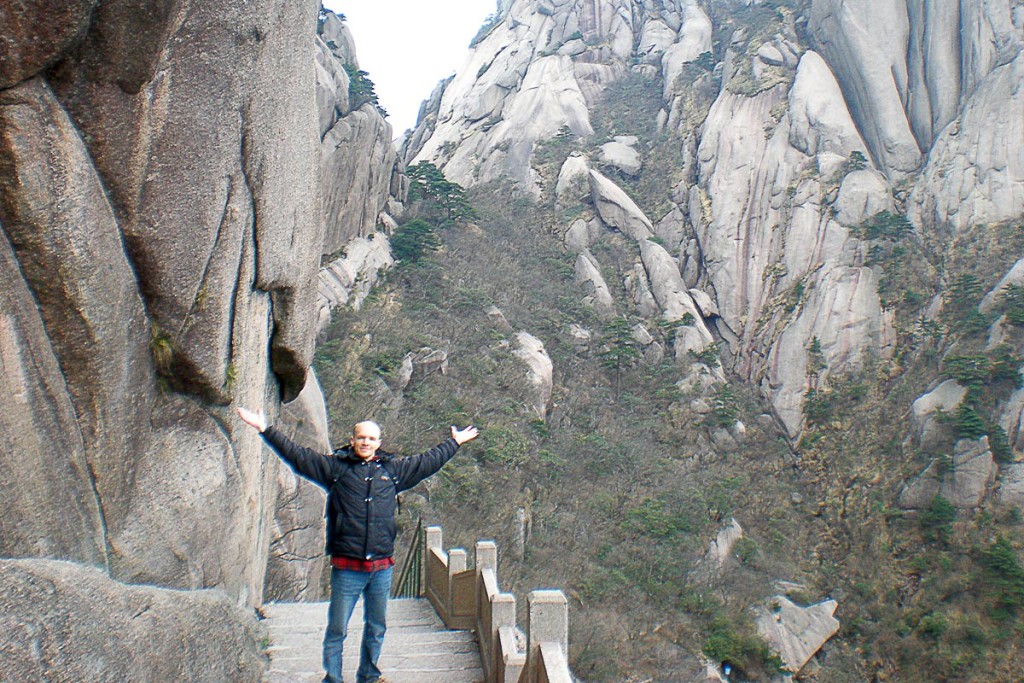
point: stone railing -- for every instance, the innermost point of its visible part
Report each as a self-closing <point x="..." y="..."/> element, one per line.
<point x="470" y="599"/>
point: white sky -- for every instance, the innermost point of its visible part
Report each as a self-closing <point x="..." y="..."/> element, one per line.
<point x="407" y="46"/>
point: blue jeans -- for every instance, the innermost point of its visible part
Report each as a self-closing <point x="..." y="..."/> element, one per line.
<point x="346" y="587"/>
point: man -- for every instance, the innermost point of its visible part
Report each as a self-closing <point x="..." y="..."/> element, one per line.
<point x="361" y="483"/>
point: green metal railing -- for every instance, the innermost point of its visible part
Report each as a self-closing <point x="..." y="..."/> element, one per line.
<point x="410" y="578"/>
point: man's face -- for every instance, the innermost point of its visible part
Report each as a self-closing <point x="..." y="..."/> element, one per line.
<point x="365" y="439"/>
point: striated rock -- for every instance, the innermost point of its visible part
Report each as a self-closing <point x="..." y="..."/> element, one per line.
<point x="795" y="632"/>
<point x="68" y="248"/>
<point x="193" y="176"/>
<point x="818" y="117"/>
<point x="695" y="36"/>
<point x="297" y="567"/>
<point x="975" y="171"/>
<point x="872" y="69"/>
<point x="45" y="485"/>
<point x="71" y="623"/>
<point x="532" y="351"/>
<point x="668" y="287"/>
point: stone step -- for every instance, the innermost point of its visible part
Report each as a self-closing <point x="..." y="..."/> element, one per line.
<point x="417" y="648"/>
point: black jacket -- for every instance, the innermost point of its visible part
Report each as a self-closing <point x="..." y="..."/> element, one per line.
<point x="360" y="495"/>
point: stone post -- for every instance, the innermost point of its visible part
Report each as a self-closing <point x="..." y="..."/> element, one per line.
<point x="547" y="621"/>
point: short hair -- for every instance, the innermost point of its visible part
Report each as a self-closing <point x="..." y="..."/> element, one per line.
<point x="367" y="422"/>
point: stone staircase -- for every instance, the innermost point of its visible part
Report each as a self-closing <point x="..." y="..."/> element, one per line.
<point x="417" y="649"/>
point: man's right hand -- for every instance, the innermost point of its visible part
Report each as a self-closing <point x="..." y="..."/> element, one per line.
<point x="254" y="418"/>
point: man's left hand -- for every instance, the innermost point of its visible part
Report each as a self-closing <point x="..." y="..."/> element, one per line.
<point x="461" y="436"/>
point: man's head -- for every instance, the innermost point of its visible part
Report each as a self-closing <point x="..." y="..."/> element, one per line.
<point x="365" y="439"/>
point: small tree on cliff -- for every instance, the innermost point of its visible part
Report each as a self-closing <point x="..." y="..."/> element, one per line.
<point x="427" y="184"/>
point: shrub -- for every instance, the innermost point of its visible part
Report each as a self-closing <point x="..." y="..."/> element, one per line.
<point x="937" y="520"/>
<point x="1005" y="576"/>
<point x="1012" y="299"/>
<point x="967" y="424"/>
<point x="413" y="241"/>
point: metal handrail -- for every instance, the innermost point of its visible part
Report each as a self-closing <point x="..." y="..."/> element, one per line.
<point x="410" y="578"/>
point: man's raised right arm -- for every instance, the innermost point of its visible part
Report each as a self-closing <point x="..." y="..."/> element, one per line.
<point x="307" y="462"/>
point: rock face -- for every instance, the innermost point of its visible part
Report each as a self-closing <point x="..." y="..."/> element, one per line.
<point x="795" y="632"/>
<point x="359" y="170"/>
<point x="161" y="229"/>
<point x="531" y="351"/>
<point x="63" y="621"/>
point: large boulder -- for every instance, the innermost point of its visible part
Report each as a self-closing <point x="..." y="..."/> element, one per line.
<point x="541" y="370"/>
<point x="33" y="39"/>
<point x="65" y="622"/>
<point x="795" y="632"/>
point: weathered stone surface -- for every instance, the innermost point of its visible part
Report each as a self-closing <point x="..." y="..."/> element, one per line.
<point x="34" y="39"/>
<point x="795" y="632"/>
<point x="541" y="371"/>
<point x="668" y="287"/>
<point x="972" y="474"/>
<point x="926" y="413"/>
<point x="919" y="492"/>
<point x="975" y="171"/>
<point x="720" y="549"/>
<point x="589" y="278"/>
<point x="65" y="622"/>
<point x="862" y="194"/>
<point x="50" y="507"/>
<point x="694" y="39"/>
<point x="358" y="160"/>
<point x="639" y="289"/>
<point x="579" y="236"/>
<point x="573" y="181"/>
<point x="66" y="240"/>
<point x="617" y="210"/>
<point x="819" y="119"/>
<point x="190" y="522"/>
<point x="297" y="568"/>
<point x="621" y="154"/>
<point x="349" y="279"/>
<point x="1011" y="485"/>
<point x="192" y="176"/>
<point x="871" y="66"/>
<point x="1015" y="276"/>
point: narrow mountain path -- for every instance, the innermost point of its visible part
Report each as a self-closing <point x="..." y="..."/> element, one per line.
<point x="417" y="648"/>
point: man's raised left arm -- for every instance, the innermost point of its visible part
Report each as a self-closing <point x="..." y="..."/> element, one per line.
<point x="416" y="468"/>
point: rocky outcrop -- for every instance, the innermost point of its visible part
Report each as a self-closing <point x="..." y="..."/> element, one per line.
<point x="797" y="633"/>
<point x="965" y="484"/>
<point x="161" y="236"/>
<point x="349" y="279"/>
<point x="531" y="351"/>
<point x="66" y="622"/>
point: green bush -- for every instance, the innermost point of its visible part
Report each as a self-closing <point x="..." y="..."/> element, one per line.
<point x="414" y="240"/>
<point x="1005" y="576"/>
<point x="967" y="424"/>
<point x="937" y="520"/>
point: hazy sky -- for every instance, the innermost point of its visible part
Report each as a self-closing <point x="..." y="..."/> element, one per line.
<point x="407" y="46"/>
